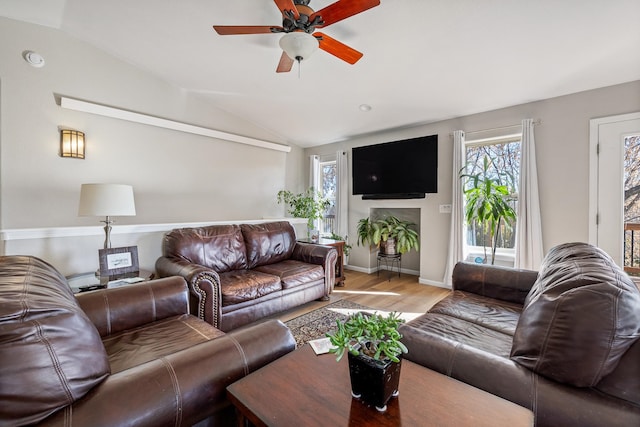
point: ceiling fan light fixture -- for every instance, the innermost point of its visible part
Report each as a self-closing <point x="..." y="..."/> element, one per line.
<point x="299" y="45"/>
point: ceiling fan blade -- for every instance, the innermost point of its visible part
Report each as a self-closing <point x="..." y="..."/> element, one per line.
<point x="342" y="9"/>
<point x="227" y="30"/>
<point x="287" y="5"/>
<point x="338" y="49"/>
<point x="285" y="64"/>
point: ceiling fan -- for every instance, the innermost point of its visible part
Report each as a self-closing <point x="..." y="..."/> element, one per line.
<point x="299" y="23"/>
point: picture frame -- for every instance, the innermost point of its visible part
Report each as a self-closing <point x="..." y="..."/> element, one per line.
<point x="117" y="263"/>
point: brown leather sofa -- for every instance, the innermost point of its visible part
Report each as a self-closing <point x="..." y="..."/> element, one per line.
<point x="129" y="356"/>
<point x="238" y="274"/>
<point x="563" y="342"/>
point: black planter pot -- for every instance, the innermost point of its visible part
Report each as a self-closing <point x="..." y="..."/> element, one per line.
<point x="373" y="381"/>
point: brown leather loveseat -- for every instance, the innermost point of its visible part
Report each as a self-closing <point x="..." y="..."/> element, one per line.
<point x="238" y="274"/>
<point x="129" y="356"/>
<point x="563" y="342"/>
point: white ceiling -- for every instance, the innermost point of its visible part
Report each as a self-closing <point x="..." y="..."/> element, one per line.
<point x="424" y="60"/>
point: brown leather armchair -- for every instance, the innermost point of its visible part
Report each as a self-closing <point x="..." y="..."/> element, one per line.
<point x="238" y="274"/>
<point x="129" y="356"/>
<point x="563" y="342"/>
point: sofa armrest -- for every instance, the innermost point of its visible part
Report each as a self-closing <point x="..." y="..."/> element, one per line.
<point x="183" y="388"/>
<point x="492" y="281"/>
<point x="118" y="309"/>
<point x="204" y="287"/>
<point x="326" y="256"/>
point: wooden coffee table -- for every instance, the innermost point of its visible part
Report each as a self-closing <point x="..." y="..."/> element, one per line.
<point x="302" y="389"/>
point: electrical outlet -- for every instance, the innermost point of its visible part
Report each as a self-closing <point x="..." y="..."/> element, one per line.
<point x="445" y="208"/>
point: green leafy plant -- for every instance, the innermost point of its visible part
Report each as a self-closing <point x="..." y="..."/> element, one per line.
<point x="488" y="202"/>
<point x="375" y="232"/>
<point x="371" y="334"/>
<point x="347" y="247"/>
<point x="310" y="204"/>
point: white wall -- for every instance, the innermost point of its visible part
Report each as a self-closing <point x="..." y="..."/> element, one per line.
<point x="177" y="177"/>
<point x="562" y="144"/>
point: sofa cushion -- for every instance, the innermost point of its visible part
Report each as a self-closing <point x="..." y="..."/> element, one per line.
<point x="501" y="316"/>
<point x="268" y="243"/>
<point x="580" y="317"/>
<point x="219" y="247"/>
<point x="155" y="340"/>
<point x="246" y="285"/>
<point x="50" y="353"/>
<point x="293" y="273"/>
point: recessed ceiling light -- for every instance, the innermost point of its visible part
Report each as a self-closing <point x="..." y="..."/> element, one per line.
<point x="365" y="107"/>
<point x="34" y="59"/>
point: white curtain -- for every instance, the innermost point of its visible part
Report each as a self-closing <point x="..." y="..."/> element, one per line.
<point x="342" y="194"/>
<point x="314" y="175"/>
<point x="529" y="248"/>
<point x="457" y="241"/>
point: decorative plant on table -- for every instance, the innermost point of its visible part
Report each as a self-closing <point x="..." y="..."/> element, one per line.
<point x="488" y="202"/>
<point x="390" y="233"/>
<point x="310" y="204"/>
<point x="373" y="346"/>
<point x="347" y="247"/>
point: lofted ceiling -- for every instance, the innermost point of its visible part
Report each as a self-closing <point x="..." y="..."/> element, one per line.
<point x="424" y="60"/>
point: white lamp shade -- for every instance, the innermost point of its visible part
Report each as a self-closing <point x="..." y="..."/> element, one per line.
<point x="106" y="200"/>
<point x="299" y="45"/>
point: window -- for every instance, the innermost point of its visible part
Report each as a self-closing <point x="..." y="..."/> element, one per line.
<point x="328" y="186"/>
<point x="503" y="161"/>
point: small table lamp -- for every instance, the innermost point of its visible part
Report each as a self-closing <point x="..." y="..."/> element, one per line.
<point x="106" y="200"/>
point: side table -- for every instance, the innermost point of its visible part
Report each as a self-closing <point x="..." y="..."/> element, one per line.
<point x="390" y="260"/>
<point x="84" y="282"/>
<point x="339" y="245"/>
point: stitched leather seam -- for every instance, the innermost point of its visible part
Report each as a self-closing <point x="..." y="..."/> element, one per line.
<point x="197" y="331"/>
<point x="245" y="364"/>
<point x="107" y="311"/>
<point x="176" y="390"/>
<point x="54" y="361"/>
<point x="154" y="311"/>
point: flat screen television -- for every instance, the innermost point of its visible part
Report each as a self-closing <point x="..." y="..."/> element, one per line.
<point x="406" y="169"/>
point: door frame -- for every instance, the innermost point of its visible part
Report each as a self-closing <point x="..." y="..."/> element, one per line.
<point x="594" y="137"/>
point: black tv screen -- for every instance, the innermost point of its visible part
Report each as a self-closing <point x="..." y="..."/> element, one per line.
<point x="404" y="169"/>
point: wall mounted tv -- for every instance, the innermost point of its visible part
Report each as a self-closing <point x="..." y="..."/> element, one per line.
<point x="406" y="169"/>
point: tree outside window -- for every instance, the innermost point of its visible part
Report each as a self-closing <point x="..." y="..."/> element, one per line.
<point x="632" y="199"/>
<point x="328" y="188"/>
<point x="504" y="168"/>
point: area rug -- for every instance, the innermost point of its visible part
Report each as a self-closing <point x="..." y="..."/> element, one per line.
<point x="317" y="323"/>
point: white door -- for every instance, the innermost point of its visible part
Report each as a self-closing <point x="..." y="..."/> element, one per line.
<point x="606" y="229"/>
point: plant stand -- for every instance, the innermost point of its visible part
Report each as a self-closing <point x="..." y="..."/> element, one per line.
<point x="390" y="261"/>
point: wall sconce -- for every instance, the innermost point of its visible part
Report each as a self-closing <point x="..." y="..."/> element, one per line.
<point x="71" y="143"/>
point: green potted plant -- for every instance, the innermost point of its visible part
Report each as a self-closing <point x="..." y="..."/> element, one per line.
<point x="310" y="205"/>
<point x="347" y="247"/>
<point x="488" y="202"/>
<point x="373" y="347"/>
<point x="388" y="234"/>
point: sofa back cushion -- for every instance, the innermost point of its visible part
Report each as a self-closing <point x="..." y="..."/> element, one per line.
<point x="268" y="243"/>
<point x="580" y="317"/>
<point x="50" y="353"/>
<point x="219" y="247"/>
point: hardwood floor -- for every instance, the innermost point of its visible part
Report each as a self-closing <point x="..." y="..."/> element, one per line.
<point x="402" y="294"/>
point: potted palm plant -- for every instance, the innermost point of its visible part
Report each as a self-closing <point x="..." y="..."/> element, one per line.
<point x="373" y="347"/>
<point x="310" y="205"/>
<point x="389" y="234"/>
<point x="488" y="202"/>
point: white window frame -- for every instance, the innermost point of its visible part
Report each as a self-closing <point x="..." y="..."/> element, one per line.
<point x="504" y="256"/>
